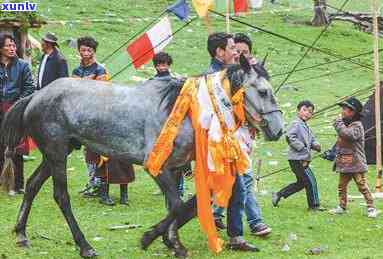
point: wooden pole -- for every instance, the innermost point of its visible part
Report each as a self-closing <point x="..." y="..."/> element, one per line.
<point x="378" y="184"/>
<point x="228" y="16"/>
<point x="208" y="24"/>
<point x="258" y="175"/>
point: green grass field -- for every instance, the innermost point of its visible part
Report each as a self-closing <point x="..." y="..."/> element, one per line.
<point x="112" y="22"/>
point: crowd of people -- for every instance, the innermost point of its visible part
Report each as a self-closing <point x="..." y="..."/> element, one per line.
<point x="16" y="82"/>
<point x="224" y="49"/>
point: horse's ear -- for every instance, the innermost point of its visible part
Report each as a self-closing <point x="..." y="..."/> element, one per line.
<point x="245" y="65"/>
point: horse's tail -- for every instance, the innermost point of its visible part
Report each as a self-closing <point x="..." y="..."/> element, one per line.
<point x="12" y="127"/>
<point x="7" y="175"/>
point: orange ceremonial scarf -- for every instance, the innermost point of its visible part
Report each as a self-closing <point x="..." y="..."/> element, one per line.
<point x="226" y="154"/>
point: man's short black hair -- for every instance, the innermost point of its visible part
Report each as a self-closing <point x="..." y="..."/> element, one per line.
<point x="87" y="41"/>
<point x="306" y="103"/>
<point x="217" y="40"/>
<point x="162" y="58"/>
<point x="243" y="38"/>
<point x="3" y="37"/>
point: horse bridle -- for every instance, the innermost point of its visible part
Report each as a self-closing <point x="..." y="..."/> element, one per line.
<point x="261" y="121"/>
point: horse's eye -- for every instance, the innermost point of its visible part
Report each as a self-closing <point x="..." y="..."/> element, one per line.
<point x="262" y="92"/>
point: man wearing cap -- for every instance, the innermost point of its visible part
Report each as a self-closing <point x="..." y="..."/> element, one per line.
<point x="223" y="52"/>
<point x="53" y="64"/>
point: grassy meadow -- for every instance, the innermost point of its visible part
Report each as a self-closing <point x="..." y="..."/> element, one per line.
<point x="112" y="22"/>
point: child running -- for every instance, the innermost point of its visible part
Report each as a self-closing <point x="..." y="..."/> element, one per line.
<point x="301" y="141"/>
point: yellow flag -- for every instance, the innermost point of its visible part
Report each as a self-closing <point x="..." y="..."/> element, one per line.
<point x="202" y="7"/>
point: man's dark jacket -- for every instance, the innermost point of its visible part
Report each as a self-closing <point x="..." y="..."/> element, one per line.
<point x="15" y="81"/>
<point x="56" y="67"/>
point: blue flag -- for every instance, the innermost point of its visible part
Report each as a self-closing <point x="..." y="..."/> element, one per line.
<point x="180" y="9"/>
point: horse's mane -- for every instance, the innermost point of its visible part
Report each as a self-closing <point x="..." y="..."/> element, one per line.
<point x="236" y="79"/>
<point x="170" y="93"/>
<point x="258" y="68"/>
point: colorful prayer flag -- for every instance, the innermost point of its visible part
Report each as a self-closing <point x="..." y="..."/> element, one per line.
<point x="180" y="9"/>
<point x="143" y="49"/>
<point x="202" y="7"/>
<point x="240" y="6"/>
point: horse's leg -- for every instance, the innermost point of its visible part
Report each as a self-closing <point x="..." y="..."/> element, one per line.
<point x="168" y="185"/>
<point x="34" y="183"/>
<point x="174" y="240"/>
<point x="171" y="238"/>
<point x="187" y="212"/>
<point x="61" y="196"/>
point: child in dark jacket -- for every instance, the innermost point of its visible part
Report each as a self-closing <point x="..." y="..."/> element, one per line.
<point x="301" y="141"/>
<point x="350" y="161"/>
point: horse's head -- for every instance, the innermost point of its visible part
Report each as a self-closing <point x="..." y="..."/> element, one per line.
<point x="261" y="108"/>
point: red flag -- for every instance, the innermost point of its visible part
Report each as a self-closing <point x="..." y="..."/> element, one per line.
<point x="240" y="6"/>
<point x="142" y="50"/>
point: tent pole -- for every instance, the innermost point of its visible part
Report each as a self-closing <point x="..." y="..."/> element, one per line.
<point x="228" y="16"/>
<point x="378" y="183"/>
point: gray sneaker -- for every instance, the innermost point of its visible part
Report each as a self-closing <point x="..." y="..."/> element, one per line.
<point x="219" y="224"/>
<point x="260" y="229"/>
<point x="337" y="211"/>
<point x="372" y="212"/>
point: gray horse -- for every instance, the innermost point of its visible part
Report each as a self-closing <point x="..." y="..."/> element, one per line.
<point x="121" y="122"/>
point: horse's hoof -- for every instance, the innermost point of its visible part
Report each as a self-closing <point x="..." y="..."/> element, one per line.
<point x="88" y="253"/>
<point x="22" y="242"/>
<point x="147" y="239"/>
<point x="167" y="242"/>
<point x="181" y="253"/>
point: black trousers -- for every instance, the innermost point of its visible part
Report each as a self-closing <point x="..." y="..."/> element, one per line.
<point x="305" y="180"/>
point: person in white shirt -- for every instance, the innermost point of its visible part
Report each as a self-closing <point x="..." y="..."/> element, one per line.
<point x="53" y="64"/>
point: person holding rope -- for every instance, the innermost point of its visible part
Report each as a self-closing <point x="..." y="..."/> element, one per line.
<point x="253" y="213"/>
<point x="350" y="161"/>
<point x="101" y="170"/>
<point x="301" y="141"/>
<point x="222" y="50"/>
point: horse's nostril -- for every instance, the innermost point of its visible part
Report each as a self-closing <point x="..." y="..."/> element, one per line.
<point x="264" y="123"/>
